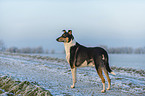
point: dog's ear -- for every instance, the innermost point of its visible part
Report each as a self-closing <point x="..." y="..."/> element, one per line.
<point x="64" y="31"/>
<point x="70" y="32"/>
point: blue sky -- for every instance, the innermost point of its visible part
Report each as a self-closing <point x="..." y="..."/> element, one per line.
<point x="32" y="23"/>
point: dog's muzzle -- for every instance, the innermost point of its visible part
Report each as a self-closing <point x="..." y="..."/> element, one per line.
<point x="60" y="39"/>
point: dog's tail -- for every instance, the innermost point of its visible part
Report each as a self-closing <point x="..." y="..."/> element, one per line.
<point x="109" y="69"/>
<point x="106" y="63"/>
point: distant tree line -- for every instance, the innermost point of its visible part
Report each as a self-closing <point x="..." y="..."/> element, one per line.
<point x="119" y="50"/>
<point x="38" y="50"/>
<point x="25" y="50"/>
<point x="125" y="50"/>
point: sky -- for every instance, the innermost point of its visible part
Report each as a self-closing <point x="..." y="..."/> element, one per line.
<point x="33" y="23"/>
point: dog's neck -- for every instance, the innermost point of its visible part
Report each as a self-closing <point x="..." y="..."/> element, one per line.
<point x="67" y="49"/>
<point x="69" y="45"/>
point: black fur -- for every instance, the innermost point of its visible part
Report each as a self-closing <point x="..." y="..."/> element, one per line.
<point x="80" y="53"/>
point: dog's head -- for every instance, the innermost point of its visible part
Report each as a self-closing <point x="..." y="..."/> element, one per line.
<point x="66" y="37"/>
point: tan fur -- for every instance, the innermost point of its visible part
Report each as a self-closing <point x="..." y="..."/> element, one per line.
<point x="85" y="64"/>
<point x="102" y="78"/>
<point x="108" y="79"/>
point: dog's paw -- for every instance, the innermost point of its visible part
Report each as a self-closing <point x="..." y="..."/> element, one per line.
<point x="103" y="91"/>
<point x="72" y="86"/>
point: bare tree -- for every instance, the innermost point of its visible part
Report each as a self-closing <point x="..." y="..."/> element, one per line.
<point x="26" y="50"/>
<point x="140" y="51"/>
<point x="47" y="51"/>
<point x="40" y="49"/>
<point x="52" y="51"/>
<point x="13" y="50"/>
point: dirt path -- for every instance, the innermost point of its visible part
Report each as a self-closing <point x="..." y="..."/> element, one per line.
<point x="55" y="75"/>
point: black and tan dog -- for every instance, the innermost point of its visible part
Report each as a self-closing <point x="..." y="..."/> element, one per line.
<point x="81" y="56"/>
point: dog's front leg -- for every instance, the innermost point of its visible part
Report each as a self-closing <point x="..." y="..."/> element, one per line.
<point x="73" y="71"/>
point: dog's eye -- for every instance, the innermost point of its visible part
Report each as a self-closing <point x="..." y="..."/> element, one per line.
<point x="63" y="35"/>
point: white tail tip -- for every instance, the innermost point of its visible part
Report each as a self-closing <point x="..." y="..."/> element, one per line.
<point x="113" y="73"/>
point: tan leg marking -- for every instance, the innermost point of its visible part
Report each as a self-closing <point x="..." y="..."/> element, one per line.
<point x="108" y="79"/>
<point x="102" y="78"/>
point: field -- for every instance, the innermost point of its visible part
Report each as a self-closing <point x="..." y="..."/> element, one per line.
<point x="54" y="74"/>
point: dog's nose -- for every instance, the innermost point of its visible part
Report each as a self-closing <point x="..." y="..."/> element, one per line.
<point x="57" y="39"/>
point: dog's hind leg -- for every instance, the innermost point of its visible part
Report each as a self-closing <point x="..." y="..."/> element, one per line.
<point x="73" y="71"/>
<point x="98" y="67"/>
<point x="108" y="79"/>
<point x="99" y="71"/>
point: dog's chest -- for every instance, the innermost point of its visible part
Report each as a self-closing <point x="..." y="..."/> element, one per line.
<point x="67" y="49"/>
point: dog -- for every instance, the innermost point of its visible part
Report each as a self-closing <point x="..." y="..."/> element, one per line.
<point x="80" y="56"/>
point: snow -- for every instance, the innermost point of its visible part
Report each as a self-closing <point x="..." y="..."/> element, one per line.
<point x="55" y="75"/>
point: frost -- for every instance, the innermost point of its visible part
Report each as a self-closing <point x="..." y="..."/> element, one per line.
<point x="10" y="87"/>
<point x="54" y="75"/>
